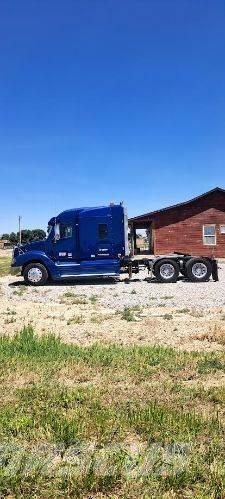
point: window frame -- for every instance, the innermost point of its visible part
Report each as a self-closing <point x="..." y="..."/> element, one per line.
<point x="65" y="226"/>
<point x="222" y="231"/>
<point x="204" y="237"/>
<point x="107" y="234"/>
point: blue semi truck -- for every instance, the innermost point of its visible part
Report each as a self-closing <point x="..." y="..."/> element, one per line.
<point x="93" y="242"/>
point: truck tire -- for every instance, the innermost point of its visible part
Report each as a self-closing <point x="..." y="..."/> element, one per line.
<point x="166" y="270"/>
<point x="35" y="274"/>
<point x="198" y="269"/>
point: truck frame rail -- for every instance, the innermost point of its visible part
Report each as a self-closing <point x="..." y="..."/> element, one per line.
<point x="168" y="268"/>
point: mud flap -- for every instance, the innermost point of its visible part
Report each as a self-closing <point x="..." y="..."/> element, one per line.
<point x="215" y="270"/>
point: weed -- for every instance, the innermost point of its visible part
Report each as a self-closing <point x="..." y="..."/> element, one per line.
<point x="20" y="290"/>
<point x="98" y="319"/>
<point x="133" y="292"/>
<point x="167" y="317"/>
<point x="69" y="294"/>
<point x="76" y="319"/>
<point x="183" y="311"/>
<point x="9" y="312"/>
<point x="10" y="320"/>
<point x="74" y="299"/>
<point x="197" y="314"/>
<point x="93" y="299"/>
<point x="128" y="313"/>
<point x="167" y="297"/>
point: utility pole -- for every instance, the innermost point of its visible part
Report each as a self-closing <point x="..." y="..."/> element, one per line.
<point x="20" y="237"/>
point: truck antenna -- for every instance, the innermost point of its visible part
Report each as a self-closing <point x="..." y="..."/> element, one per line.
<point x="20" y="233"/>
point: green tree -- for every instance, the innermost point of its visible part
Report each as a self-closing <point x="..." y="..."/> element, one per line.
<point x="38" y="234"/>
<point x="27" y="235"/>
<point x="13" y="238"/>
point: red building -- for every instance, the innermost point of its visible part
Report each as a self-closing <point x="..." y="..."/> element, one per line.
<point x="196" y="226"/>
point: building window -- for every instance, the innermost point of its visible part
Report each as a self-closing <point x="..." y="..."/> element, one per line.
<point x="66" y="231"/>
<point x="222" y="229"/>
<point x="209" y="235"/>
<point x="102" y="231"/>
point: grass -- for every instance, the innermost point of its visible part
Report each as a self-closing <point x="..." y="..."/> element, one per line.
<point x="130" y="313"/>
<point x="73" y="299"/>
<point x="5" y="262"/>
<point x="109" y="421"/>
<point x="76" y="319"/>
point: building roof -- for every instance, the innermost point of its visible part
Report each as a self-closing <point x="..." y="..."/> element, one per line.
<point x="151" y="213"/>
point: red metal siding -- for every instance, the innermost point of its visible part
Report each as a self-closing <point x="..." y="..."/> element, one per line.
<point x="181" y="228"/>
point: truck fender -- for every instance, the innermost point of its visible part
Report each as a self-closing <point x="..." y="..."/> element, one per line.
<point x="36" y="256"/>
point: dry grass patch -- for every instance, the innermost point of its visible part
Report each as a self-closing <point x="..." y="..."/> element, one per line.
<point x="70" y="298"/>
<point x="76" y="319"/>
<point x="214" y="335"/>
<point x="99" y="318"/>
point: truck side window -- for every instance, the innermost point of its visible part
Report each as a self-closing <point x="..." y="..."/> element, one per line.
<point x="66" y="231"/>
<point x="102" y="231"/>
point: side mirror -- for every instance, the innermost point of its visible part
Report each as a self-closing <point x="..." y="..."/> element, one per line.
<point x="56" y="233"/>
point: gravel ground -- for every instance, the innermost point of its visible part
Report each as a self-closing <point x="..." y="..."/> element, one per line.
<point x="186" y="315"/>
<point x="139" y="291"/>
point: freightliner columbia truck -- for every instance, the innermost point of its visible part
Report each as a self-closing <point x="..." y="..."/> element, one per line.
<point x="93" y="242"/>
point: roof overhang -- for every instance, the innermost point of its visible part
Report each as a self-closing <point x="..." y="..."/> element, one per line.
<point x="151" y="215"/>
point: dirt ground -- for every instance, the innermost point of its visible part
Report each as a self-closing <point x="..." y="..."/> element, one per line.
<point x="139" y="313"/>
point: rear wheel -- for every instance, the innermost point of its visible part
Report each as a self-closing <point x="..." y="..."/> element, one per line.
<point x="35" y="274"/>
<point x="198" y="269"/>
<point x="166" y="270"/>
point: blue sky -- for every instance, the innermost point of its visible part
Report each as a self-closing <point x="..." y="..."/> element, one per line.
<point x="109" y="100"/>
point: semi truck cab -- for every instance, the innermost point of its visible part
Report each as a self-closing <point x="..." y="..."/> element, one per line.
<point x="83" y="242"/>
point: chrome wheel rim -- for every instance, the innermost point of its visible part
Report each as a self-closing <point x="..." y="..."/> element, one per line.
<point x="34" y="274"/>
<point x="167" y="270"/>
<point x="199" y="270"/>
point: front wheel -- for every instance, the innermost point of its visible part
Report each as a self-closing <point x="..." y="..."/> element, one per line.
<point x="198" y="269"/>
<point x="166" y="270"/>
<point x="35" y="274"/>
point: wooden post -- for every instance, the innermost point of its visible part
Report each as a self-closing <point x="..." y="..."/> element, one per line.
<point x="132" y="239"/>
<point x="135" y="241"/>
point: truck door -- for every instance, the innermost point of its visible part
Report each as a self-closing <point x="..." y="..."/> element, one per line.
<point x="65" y="248"/>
